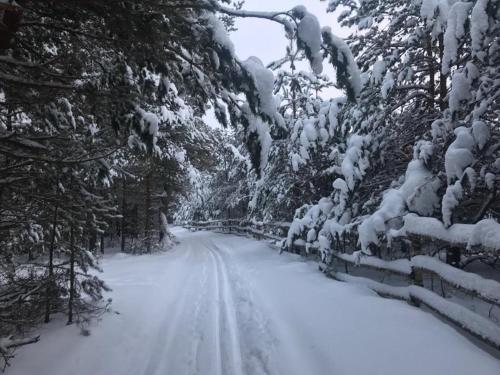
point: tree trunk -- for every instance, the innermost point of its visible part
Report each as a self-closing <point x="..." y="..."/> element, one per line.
<point x="122" y="221"/>
<point x="432" y="72"/>
<point x="51" y="267"/>
<point x="443" y="89"/>
<point x="147" y="211"/>
<point x="71" y="275"/>
<point x="92" y="240"/>
<point x="102" y="243"/>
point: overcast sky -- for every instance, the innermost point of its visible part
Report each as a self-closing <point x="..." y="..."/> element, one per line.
<point x="266" y="39"/>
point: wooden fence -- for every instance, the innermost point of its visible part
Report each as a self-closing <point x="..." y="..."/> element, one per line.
<point x="418" y="275"/>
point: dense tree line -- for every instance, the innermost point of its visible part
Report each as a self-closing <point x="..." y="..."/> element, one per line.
<point x="102" y="138"/>
<point x="101" y="131"/>
<point x="93" y="130"/>
<point x="416" y="152"/>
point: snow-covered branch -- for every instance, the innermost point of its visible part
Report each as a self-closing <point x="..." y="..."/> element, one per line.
<point x="280" y="17"/>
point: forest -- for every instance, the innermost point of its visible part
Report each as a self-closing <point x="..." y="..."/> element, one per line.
<point x="105" y="144"/>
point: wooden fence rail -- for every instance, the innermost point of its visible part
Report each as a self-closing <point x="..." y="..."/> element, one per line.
<point x="413" y="270"/>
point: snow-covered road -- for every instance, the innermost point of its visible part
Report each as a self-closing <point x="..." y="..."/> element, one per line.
<point x="220" y="304"/>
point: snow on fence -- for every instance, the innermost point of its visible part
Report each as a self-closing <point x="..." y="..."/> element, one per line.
<point x="269" y="231"/>
<point x="477" y="325"/>
<point x="411" y="270"/>
<point x="399" y="266"/>
<point x="486" y="289"/>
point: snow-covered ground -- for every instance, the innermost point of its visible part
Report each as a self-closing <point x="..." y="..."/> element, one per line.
<point x="221" y="304"/>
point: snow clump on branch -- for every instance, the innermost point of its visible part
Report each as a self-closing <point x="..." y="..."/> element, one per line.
<point x="309" y="36"/>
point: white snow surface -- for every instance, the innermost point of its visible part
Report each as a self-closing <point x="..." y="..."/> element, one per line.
<point x="401" y="292"/>
<point x="467" y="318"/>
<point x="221" y="304"/>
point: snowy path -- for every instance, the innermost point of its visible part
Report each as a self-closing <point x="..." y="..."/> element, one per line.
<point x="220" y="304"/>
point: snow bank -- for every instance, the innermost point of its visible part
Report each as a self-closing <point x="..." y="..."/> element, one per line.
<point x="469" y="320"/>
<point x="400" y="292"/>
<point x="8" y="344"/>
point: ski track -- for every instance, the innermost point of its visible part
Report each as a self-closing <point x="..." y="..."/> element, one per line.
<point x="197" y="328"/>
<point x="225" y="305"/>
<point x="257" y="343"/>
<point x="228" y="342"/>
<point x="169" y="327"/>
